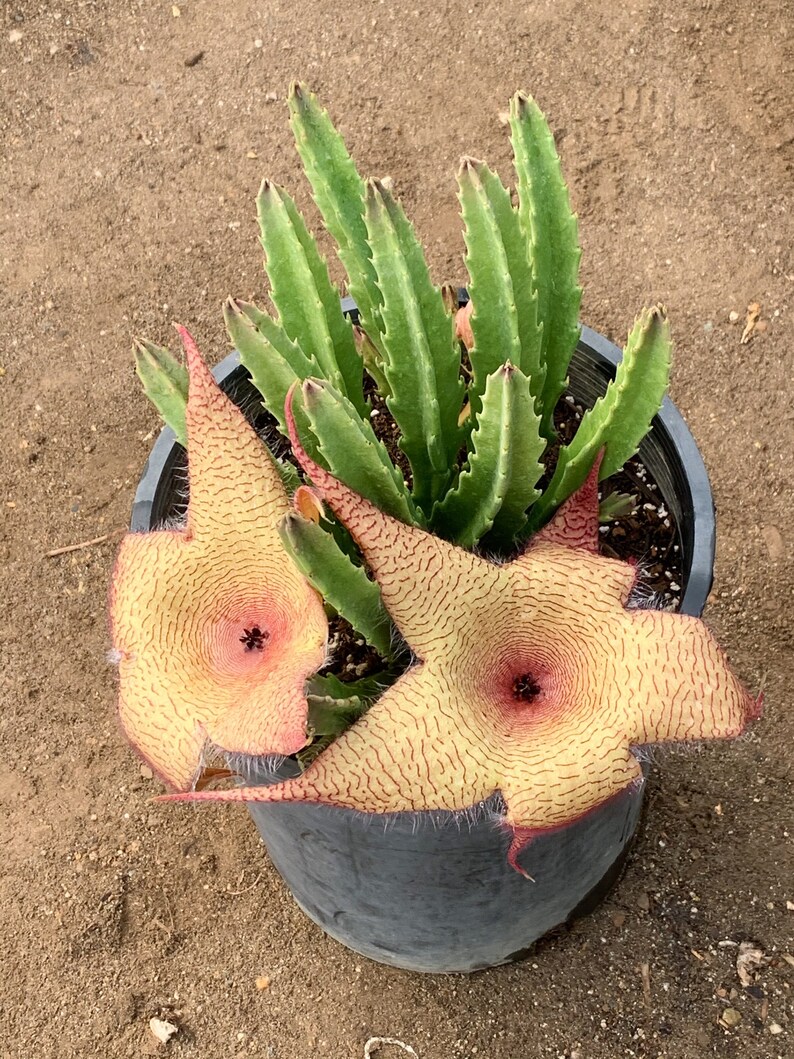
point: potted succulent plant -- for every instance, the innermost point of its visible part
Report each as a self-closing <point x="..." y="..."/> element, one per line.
<point x="474" y="779"/>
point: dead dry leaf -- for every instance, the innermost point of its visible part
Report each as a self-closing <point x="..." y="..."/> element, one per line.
<point x="749" y="961"/>
<point x="753" y="312"/>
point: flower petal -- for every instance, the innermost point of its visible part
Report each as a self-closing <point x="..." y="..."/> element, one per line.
<point x="680" y="681"/>
<point x="234" y="482"/>
<point x="216" y="627"/>
<point x="534" y="679"/>
<point x="412" y="751"/>
<point x="575" y="523"/>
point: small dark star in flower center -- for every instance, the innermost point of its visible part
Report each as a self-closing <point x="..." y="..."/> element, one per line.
<point x="525" y="687"/>
<point x="254" y="638"/>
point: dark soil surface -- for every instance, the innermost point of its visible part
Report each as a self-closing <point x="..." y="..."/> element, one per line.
<point x="133" y="140"/>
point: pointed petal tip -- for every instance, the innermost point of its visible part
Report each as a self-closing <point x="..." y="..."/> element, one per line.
<point x="463" y="329"/>
<point x="521" y="838"/>
<point x="755" y="708"/>
<point x="200" y="376"/>
<point x="575" y="523"/>
<point x="233" y="794"/>
<point x="289" y="416"/>
<point x="195" y="361"/>
<point x="187" y="339"/>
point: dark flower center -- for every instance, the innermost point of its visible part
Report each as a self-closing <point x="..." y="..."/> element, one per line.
<point x="254" y="638"/>
<point x="525" y="687"/>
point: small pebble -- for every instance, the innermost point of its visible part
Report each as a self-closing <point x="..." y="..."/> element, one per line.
<point x="15" y="36"/>
<point x="775" y="1028"/>
<point x="733" y="316"/>
<point x="730" y="1018"/>
<point x="775" y="545"/>
<point x="162" y="1031"/>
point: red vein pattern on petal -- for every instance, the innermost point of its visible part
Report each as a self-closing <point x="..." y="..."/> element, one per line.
<point x="534" y="679"/>
<point x="185" y="606"/>
<point x="683" y="679"/>
<point x="575" y="523"/>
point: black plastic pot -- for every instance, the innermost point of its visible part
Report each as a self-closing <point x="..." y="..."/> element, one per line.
<point x="432" y="892"/>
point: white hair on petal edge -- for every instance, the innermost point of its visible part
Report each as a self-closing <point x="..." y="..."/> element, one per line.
<point x="645" y="753"/>
<point x="491" y="811"/>
<point x="177" y="516"/>
<point x="114" y="656"/>
<point x="260" y="770"/>
<point x="173" y="522"/>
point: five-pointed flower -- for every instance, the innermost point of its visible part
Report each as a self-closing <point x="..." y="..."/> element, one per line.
<point x="532" y="678"/>
<point x="215" y="628"/>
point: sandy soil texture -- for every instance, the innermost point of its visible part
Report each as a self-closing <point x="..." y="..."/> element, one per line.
<point x="133" y="137"/>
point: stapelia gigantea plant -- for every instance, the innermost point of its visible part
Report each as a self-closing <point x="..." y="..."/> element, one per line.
<point x="527" y="673"/>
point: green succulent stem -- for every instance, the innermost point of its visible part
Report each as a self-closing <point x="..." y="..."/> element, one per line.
<point x="505" y="303"/>
<point x="339" y="193"/>
<point x="552" y="230"/>
<point x="165" y="383"/>
<point x="307" y="303"/>
<point x="342" y="584"/>
<point x="350" y="447"/>
<point x="493" y="493"/>
<point x="420" y="359"/>
<point x="273" y="359"/>
<point x="620" y="419"/>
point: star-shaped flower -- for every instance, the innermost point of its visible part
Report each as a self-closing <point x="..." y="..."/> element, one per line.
<point x="215" y="627"/>
<point x="532" y="678"/>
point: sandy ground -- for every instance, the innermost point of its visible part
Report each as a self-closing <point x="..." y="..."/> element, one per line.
<point x="133" y="142"/>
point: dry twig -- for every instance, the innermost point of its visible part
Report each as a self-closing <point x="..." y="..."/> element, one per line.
<point x="82" y="544"/>
<point x="645" y="971"/>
